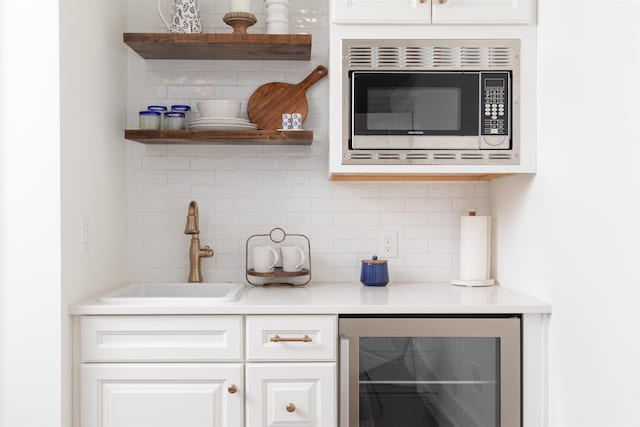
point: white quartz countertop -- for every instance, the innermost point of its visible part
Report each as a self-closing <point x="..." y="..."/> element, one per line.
<point x="346" y="298"/>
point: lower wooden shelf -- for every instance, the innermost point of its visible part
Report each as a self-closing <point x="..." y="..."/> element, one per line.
<point x="220" y="137"/>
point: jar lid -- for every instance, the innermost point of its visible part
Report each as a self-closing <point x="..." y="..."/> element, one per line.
<point x="157" y="108"/>
<point x="180" y="108"/>
<point x="174" y="114"/>
<point x="374" y="260"/>
<point x="149" y="113"/>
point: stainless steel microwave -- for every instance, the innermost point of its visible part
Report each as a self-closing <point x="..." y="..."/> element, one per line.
<point x="431" y="101"/>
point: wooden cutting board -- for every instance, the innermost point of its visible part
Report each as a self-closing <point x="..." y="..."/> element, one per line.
<point x="270" y="101"/>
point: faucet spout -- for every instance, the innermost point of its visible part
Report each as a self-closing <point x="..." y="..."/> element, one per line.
<point x="196" y="253"/>
<point x="192" y="219"/>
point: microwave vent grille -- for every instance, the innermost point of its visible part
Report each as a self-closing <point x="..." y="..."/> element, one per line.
<point x="417" y="56"/>
<point x="431" y="57"/>
<point x="471" y="56"/>
<point x="361" y="56"/>
<point x="389" y="156"/>
<point x="361" y="156"/>
<point x="388" y="56"/>
<point x="444" y="156"/>
<point x="444" y="57"/>
<point x="500" y="156"/>
<point x="428" y="158"/>
<point x="500" y="56"/>
<point x="416" y="156"/>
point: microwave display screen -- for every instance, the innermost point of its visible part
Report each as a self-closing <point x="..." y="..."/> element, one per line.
<point x="413" y="108"/>
<point x="494" y="82"/>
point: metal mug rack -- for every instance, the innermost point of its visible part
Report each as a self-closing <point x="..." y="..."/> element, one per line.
<point x="278" y="276"/>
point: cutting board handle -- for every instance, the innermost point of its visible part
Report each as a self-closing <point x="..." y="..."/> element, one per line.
<point x="319" y="72"/>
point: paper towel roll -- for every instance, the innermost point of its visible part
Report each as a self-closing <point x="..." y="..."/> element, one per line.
<point x="475" y="251"/>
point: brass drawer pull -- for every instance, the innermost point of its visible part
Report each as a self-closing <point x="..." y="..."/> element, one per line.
<point x="291" y="407"/>
<point x="232" y="389"/>
<point x="442" y="1"/>
<point x="277" y="338"/>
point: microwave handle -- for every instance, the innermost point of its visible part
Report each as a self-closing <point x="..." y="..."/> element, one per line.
<point x="343" y="402"/>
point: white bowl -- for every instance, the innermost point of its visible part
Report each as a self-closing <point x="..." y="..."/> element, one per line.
<point x="219" y="108"/>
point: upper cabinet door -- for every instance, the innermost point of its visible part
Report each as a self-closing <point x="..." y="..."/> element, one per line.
<point x="484" y="11"/>
<point x="381" y="11"/>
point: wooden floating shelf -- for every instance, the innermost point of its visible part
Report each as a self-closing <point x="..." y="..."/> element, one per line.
<point x="220" y="46"/>
<point x="220" y="137"/>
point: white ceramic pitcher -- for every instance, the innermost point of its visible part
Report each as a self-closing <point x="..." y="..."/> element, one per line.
<point x="185" y="16"/>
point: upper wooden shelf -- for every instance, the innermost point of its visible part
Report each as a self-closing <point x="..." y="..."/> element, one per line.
<point x="295" y="47"/>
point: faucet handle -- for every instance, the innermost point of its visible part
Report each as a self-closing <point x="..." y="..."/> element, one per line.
<point x="206" y="252"/>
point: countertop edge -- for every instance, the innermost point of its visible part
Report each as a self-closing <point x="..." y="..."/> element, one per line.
<point x="343" y="298"/>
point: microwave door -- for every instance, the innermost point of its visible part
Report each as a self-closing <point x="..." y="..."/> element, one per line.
<point x="415" y="110"/>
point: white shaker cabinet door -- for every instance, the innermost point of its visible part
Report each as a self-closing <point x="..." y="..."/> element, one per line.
<point x="483" y="11"/>
<point x="381" y="11"/>
<point x="161" y="395"/>
<point x="291" y="395"/>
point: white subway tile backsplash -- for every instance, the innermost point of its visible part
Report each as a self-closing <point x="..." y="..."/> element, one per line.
<point x="246" y="190"/>
<point x="169" y="190"/>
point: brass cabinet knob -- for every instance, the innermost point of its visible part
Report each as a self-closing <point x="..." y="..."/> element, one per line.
<point x="291" y="407"/>
<point x="232" y="389"/>
<point x="442" y="1"/>
<point x="423" y="1"/>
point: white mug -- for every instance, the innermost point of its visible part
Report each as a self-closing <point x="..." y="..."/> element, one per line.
<point x="292" y="258"/>
<point x="185" y="16"/>
<point x="265" y="259"/>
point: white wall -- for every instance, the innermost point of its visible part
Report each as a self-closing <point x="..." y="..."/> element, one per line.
<point x="570" y="234"/>
<point x="93" y="104"/>
<point x="246" y="190"/>
<point x="29" y="215"/>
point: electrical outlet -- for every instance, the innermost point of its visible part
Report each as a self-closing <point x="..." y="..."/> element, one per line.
<point x="388" y="244"/>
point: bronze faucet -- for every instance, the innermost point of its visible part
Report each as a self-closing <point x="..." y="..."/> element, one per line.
<point x="195" y="251"/>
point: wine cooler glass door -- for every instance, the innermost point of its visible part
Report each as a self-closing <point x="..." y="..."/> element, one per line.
<point x="432" y="372"/>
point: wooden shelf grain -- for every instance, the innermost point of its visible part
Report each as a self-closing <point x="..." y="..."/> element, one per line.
<point x="220" y="137"/>
<point x="296" y="47"/>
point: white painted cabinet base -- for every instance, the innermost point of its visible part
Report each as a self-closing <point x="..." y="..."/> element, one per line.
<point x="484" y="12"/>
<point x="291" y="395"/>
<point x="161" y="395"/>
<point x="381" y="11"/>
<point x="433" y="11"/>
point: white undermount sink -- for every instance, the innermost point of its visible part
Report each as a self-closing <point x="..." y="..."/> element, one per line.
<point x="175" y="293"/>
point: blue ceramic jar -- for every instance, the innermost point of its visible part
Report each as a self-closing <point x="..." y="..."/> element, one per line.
<point x="374" y="272"/>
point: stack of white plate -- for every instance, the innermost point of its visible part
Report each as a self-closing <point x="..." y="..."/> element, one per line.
<point x="222" y="123"/>
<point x="220" y="114"/>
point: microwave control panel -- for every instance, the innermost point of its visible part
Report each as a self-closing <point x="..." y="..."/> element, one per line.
<point x="496" y="103"/>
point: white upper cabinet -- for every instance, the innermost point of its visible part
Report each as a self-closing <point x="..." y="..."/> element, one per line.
<point x="483" y="12"/>
<point x="381" y="11"/>
<point x="434" y="11"/>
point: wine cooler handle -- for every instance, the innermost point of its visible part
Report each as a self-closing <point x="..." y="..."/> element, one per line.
<point x="343" y="402"/>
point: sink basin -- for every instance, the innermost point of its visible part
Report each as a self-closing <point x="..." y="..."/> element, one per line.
<point x="175" y="293"/>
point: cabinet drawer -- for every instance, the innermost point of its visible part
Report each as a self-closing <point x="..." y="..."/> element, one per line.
<point x="283" y="338"/>
<point x="291" y="394"/>
<point x="161" y="338"/>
